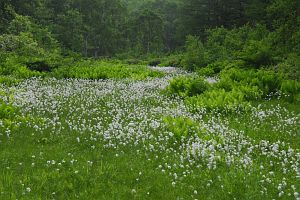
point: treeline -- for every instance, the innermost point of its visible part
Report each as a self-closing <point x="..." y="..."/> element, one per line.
<point x="98" y="27"/>
<point x="105" y="28"/>
<point x="259" y="32"/>
<point x="247" y="34"/>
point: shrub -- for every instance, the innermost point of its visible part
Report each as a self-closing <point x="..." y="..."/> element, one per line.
<point x="173" y="60"/>
<point x="256" y="53"/>
<point x="266" y="81"/>
<point x="8" y="80"/>
<point x="213" y="68"/>
<point x="154" y="63"/>
<point x="292" y="89"/>
<point x="187" y="86"/>
<point x="218" y="99"/>
<point x="27" y="46"/>
<point x="290" y="66"/>
<point x="89" y="69"/>
<point x="194" y="56"/>
<point x="22" y="44"/>
<point x="250" y="92"/>
<point x="23" y="73"/>
<point x="228" y="45"/>
<point x="6" y="111"/>
<point x="181" y="126"/>
<point x="206" y="71"/>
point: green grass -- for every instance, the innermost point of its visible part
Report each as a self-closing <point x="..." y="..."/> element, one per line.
<point x="108" y="177"/>
<point x="121" y="139"/>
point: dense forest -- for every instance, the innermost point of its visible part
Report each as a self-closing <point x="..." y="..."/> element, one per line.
<point x="262" y="32"/>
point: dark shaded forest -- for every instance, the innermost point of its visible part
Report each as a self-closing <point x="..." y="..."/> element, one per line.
<point x="187" y="33"/>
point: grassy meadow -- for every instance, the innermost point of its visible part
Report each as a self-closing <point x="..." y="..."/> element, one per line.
<point x="146" y="134"/>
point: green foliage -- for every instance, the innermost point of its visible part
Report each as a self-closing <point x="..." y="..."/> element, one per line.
<point x="235" y="89"/>
<point x="184" y="127"/>
<point x="173" y="60"/>
<point x="22" y="45"/>
<point x="225" y="44"/>
<point x="284" y="16"/>
<point x="8" y="80"/>
<point x="290" y="66"/>
<point x="213" y="68"/>
<point x="194" y="56"/>
<point x="6" y="111"/>
<point x="292" y="89"/>
<point x="90" y="69"/>
<point x="42" y="36"/>
<point x="17" y="70"/>
<point x="256" y="53"/>
<point x="155" y="27"/>
<point x="187" y="86"/>
<point x="251" y="46"/>
<point x="27" y="48"/>
<point x="206" y="71"/>
<point x="218" y="99"/>
<point x="146" y="34"/>
<point x="70" y="29"/>
<point x="181" y="126"/>
<point x="259" y="80"/>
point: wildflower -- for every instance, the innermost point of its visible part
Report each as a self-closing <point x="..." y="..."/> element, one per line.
<point x="173" y="184"/>
<point x="133" y="191"/>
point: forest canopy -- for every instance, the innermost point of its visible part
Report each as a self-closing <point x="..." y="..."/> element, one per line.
<point x="200" y="32"/>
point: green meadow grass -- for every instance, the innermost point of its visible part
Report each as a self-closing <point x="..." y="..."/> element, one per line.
<point x="120" y="139"/>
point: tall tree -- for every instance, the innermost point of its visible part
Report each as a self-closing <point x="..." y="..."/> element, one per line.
<point x="147" y="32"/>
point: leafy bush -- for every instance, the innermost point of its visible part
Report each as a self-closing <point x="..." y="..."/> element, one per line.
<point x="22" y="44"/>
<point x="195" y="55"/>
<point x="187" y="86"/>
<point x="237" y="87"/>
<point x="42" y="36"/>
<point x="290" y="66"/>
<point x="269" y="81"/>
<point x="181" y="126"/>
<point x="173" y="60"/>
<point x="250" y="44"/>
<point x="206" y="71"/>
<point x="250" y="92"/>
<point x="28" y="47"/>
<point x="227" y="45"/>
<point x="213" y="68"/>
<point x="8" y="80"/>
<point x="265" y="81"/>
<point x="218" y="99"/>
<point x="90" y="69"/>
<point x="292" y="89"/>
<point x="256" y="54"/>
<point x="6" y="111"/>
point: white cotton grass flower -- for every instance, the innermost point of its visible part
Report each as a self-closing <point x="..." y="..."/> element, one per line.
<point x="133" y="191"/>
<point x="28" y="189"/>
